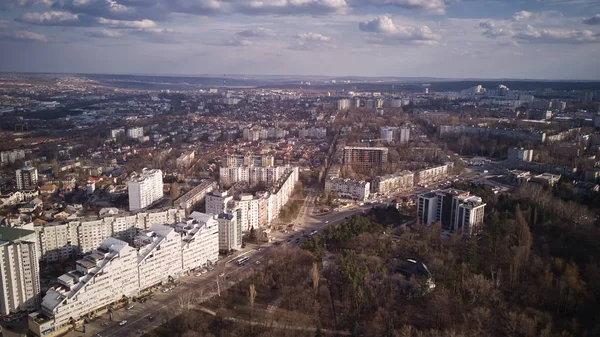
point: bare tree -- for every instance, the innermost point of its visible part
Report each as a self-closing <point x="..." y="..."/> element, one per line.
<point x="251" y="297"/>
<point x="314" y="273"/>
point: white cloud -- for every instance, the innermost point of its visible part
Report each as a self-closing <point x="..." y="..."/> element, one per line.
<point x="105" y="33"/>
<point x="141" y="24"/>
<point x="594" y="20"/>
<point x="51" y="18"/>
<point x="12" y="4"/>
<point x="531" y="34"/>
<point x="433" y="6"/>
<point x="257" y="32"/>
<point x="289" y="7"/>
<point x="522" y="15"/>
<point x="236" y="43"/>
<point x="308" y="41"/>
<point x="382" y="30"/>
<point x="21" y="35"/>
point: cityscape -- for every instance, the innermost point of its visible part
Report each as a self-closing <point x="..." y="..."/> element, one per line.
<point x="434" y="173"/>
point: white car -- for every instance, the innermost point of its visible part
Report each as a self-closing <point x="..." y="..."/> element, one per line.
<point x="123" y="322"/>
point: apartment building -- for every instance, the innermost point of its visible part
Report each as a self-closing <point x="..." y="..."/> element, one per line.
<point x="343" y="104"/>
<point x="196" y="195"/>
<point x="516" y="155"/>
<point x="101" y="277"/>
<point x="253" y="175"/>
<point x="347" y="188"/>
<point x="10" y="157"/>
<point x="249" y="160"/>
<point x="456" y="210"/>
<point x="312" y="132"/>
<point x="248" y="209"/>
<point x="433" y="174"/>
<point x="27" y="178"/>
<point x="116" y="269"/>
<point x="365" y="157"/>
<point x="135" y="132"/>
<point x="159" y="255"/>
<point x="61" y="240"/>
<point x="19" y="271"/>
<point x="393" y="183"/>
<point x="230" y="232"/>
<point x="217" y="202"/>
<point x="144" y="189"/>
<point x="200" y="240"/>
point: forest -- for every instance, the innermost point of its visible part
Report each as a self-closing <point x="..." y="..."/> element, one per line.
<point x="534" y="271"/>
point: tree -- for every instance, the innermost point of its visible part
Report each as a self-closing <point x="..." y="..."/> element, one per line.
<point x="252" y="236"/>
<point x="251" y="297"/>
<point x="314" y="274"/>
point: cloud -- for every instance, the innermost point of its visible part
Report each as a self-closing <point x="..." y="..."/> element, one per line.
<point x="157" y="35"/>
<point x="21" y="36"/>
<point x="522" y="15"/>
<point x="308" y="41"/>
<point x="432" y="6"/>
<point x="58" y="18"/>
<point x="382" y="30"/>
<point x="235" y="43"/>
<point x="51" y="18"/>
<point x="105" y="34"/>
<point x="257" y="32"/>
<point x="12" y="4"/>
<point x="533" y="35"/>
<point x="594" y="20"/>
<point x="289" y="7"/>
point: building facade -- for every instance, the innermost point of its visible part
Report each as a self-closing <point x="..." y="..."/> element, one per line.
<point x="144" y="189"/>
<point x="456" y="210"/>
<point x="230" y="232"/>
<point x="27" y="178"/>
<point x="393" y="183"/>
<point x="365" y="157"/>
<point x="347" y="188"/>
<point x="19" y="271"/>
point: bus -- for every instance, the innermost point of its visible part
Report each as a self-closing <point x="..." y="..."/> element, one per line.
<point x="241" y="261"/>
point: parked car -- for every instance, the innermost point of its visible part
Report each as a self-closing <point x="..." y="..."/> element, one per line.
<point x="130" y="307"/>
<point x="123" y="322"/>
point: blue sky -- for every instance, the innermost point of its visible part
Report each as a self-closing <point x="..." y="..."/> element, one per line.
<point x="541" y="39"/>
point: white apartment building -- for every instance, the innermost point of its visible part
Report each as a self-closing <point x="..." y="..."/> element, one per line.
<point x="10" y="157"/>
<point x="248" y="209"/>
<point x="19" y="271"/>
<point x="469" y="216"/>
<point x="403" y="134"/>
<point x="217" y="202"/>
<point x="249" y="160"/>
<point x="200" y="240"/>
<point x="251" y="174"/>
<point x="144" y="189"/>
<point x="116" y="269"/>
<point x="388" y="133"/>
<point x="429" y="175"/>
<point x="159" y="255"/>
<point x="230" y="232"/>
<point x="393" y="183"/>
<point x="57" y="241"/>
<point x="456" y="210"/>
<point x="102" y="277"/>
<point x="312" y="132"/>
<point x="427" y="208"/>
<point x="27" y="178"/>
<point x="196" y="195"/>
<point x="343" y="104"/>
<point x="114" y="133"/>
<point x="135" y="132"/>
<point x="347" y="188"/>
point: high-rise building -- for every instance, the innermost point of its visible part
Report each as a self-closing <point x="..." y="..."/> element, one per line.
<point x="19" y="271"/>
<point x="217" y="202"/>
<point x="135" y="132"/>
<point x="516" y="155"/>
<point x="456" y="210"/>
<point x="230" y="232"/>
<point x="343" y="104"/>
<point x="144" y="189"/>
<point x="403" y="135"/>
<point x="388" y="133"/>
<point x="27" y="178"/>
<point x="365" y="157"/>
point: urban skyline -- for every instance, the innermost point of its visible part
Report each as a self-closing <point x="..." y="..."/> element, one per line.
<point x="405" y="38"/>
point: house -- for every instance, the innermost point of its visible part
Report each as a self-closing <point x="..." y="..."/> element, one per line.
<point x="48" y="189"/>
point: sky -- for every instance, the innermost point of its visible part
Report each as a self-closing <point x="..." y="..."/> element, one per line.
<point x="521" y="39"/>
